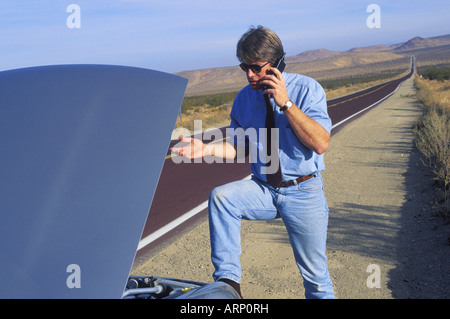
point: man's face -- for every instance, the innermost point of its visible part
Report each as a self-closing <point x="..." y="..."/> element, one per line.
<point x="255" y="71"/>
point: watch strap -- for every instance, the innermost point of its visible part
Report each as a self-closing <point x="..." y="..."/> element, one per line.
<point x="286" y="105"/>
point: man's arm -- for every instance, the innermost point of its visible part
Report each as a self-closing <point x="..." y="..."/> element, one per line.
<point x="308" y="131"/>
<point x="222" y="150"/>
<point x="195" y="148"/>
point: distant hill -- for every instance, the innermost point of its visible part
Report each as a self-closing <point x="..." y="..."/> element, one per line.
<point x="374" y="48"/>
<point x="344" y="60"/>
<point x="415" y="43"/>
<point x="325" y="64"/>
<point x="312" y="55"/>
<point x="421" y="43"/>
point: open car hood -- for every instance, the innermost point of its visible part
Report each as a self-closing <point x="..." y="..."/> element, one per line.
<point x="82" y="148"/>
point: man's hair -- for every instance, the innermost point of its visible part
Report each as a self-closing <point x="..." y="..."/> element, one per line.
<point x="259" y="44"/>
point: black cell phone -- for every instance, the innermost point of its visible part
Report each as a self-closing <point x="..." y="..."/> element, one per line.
<point x="280" y="65"/>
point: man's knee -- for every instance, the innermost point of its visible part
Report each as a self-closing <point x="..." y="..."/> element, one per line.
<point x="222" y="193"/>
<point x="224" y="198"/>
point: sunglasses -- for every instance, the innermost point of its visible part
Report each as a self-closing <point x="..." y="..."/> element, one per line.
<point x="254" y="67"/>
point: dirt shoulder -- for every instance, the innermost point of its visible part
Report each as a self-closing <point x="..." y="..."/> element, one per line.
<point x="380" y="198"/>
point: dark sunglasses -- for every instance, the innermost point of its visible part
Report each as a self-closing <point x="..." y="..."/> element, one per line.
<point x="254" y="67"/>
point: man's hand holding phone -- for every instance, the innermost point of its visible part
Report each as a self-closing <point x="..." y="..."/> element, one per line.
<point x="275" y="86"/>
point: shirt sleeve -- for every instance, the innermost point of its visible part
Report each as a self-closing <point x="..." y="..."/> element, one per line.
<point x="311" y="99"/>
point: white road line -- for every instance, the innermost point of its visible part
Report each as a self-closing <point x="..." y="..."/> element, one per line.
<point x="165" y="229"/>
<point x="372" y="105"/>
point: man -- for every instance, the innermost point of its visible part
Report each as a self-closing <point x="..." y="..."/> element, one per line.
<point x="299" y="108"/>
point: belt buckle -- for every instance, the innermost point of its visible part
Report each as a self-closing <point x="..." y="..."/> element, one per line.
<point x="297" y="180"/>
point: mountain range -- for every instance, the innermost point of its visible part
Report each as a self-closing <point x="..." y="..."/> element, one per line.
<point x="320" y="63"/>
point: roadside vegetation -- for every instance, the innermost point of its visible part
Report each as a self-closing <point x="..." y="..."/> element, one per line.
<point x="440" y="74"/>
<point x="355" y="80"/>
<point x="212" y="109"/>
<point x="432" y="131"/>
<point x="343" y="86"/>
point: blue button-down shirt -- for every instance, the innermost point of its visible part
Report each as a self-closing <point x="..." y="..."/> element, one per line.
<point x="249" y="113"/>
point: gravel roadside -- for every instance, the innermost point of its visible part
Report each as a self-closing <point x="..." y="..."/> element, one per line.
<point x="383" y="241"/>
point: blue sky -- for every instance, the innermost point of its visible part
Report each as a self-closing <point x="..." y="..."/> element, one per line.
<point x="174" y="35"/>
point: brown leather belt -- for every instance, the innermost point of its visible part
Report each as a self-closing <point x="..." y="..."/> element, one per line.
<point x="299" y="180"/>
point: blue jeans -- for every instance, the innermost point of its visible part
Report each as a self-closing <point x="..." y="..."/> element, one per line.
<point x="304" y="211"/>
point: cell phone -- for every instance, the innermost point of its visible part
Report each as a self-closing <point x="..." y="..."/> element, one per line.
<point x="280" y="65"/>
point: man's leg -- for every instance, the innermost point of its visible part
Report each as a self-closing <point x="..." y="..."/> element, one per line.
<point x="228" y="205"/>
<point x="304" y="211"/>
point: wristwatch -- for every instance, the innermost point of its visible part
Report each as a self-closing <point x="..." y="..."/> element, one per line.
<point x="286" y="106"/>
